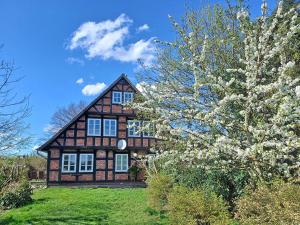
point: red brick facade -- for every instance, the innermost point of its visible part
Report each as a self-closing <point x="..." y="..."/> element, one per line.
<point x="73" y="139"/>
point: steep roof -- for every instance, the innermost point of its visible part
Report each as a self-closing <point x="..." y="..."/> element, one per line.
<point x="122" y="76"/>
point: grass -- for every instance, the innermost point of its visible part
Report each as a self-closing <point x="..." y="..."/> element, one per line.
<point x="85" y="206"/>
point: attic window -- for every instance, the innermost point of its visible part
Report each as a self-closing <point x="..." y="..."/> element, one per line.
<point x="117" y="97"/>
<point x="128" y="97"/>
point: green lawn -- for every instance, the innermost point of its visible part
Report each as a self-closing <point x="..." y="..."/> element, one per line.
<point x="85" y="206"/>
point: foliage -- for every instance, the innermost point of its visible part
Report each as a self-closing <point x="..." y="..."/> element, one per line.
<point x="36" y="162"/>
<point x="226" y="93"/>
<point x="229" y="185"/>
<point x="12" y="170"/>
<point x="134" y="170"/>
<point x="15" y="195"/>
<point x="159" y="186"/>
<point x="103" y="206"/>
<point x="278" y="203"/>
<point x="196" y="206"/>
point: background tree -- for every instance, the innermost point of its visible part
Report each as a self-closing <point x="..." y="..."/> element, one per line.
<point x="13" y="112"/>
<point x="63" y="115"/>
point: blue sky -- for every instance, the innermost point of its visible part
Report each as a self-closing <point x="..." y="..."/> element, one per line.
<point x="55" y="43"/>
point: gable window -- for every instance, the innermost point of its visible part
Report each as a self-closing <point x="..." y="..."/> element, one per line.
<point x="128" y="97"/>
<point x="121" y="163"/>
<point x="148" y="129"/>
<point x="110" y="127"/>
<point x="94" y="127"/>
<point x="133" y="128"/>
<point x="69" y="163"/>
<point x="86" y="163"/>
<point x="117" y="97"/>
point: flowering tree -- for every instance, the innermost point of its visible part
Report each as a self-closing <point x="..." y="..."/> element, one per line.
<point x="226" y="94"/>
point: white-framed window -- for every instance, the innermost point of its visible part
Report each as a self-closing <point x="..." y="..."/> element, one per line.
<point x="121" y="163"/>
<point x="117" y="97"/>
<point x="148" y="129"/>
<point x="128" y="97"/>
<point x="110" y="127"/>
<point x="69" y="163"/>
<point x="86" y="162"/>
<point x="94" y="127"/>
<point x="133" y="128"/>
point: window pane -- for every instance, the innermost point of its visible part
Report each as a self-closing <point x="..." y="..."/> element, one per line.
<point x="106" y="127"/>
<point x="91" y="126"/>
<point x="118" y="159"/>
<point x="90" y="161"/>
<point x="113" y="128"/>
<point x="65" y="162"/>
<point x="72" y="158"/>
<point x="124" y="162"/>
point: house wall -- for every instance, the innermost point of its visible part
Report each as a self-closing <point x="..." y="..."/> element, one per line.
<point x="74" y="139"/>
<point x="103" y="169"/>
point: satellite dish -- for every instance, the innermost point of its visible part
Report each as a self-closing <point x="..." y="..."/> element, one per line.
<point x="122" y="144"/>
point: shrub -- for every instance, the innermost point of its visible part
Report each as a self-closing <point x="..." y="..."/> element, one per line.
<point x="16" y="195"/>
<point x="159" y="186"/>
<point x="196" y="206"/>
<point x="230" y="185"/>
<point x="278" y="203"/>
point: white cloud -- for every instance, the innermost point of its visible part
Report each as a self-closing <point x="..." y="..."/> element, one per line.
<point x="106" y="40"/>
<point x="143" y="28"/>
<point x="80" y="81"/>
<point x="93" y="89"/>
<point x="72" y="60"/>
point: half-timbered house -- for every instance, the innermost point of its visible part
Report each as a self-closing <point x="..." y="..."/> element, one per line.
<point x="101" y="143"/>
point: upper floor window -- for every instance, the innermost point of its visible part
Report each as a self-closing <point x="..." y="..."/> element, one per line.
<point x="121" y="163"/>
<point x="94" y="127"/>
<point x="117" y="97"/>
<point x="148" y="130"/>
<point x="86" y="163"/>
<point x="69" y="163"/>
<point x="110" y="127"/>
<point x="133" y="128"/>
<point x="128" y="97"/>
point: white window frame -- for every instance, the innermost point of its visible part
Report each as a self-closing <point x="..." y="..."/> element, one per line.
<point x="127" y="93"/>
<point x="88" y="127"/>
<point x="113" y="97"/>
<point x="69" y="164"/>
<point x="137" y="134"/>
<point x="109" y="130"/>
<point x="86" y="165"/>
<point x="149" y="131"/>
<point x="116" y="166"/>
